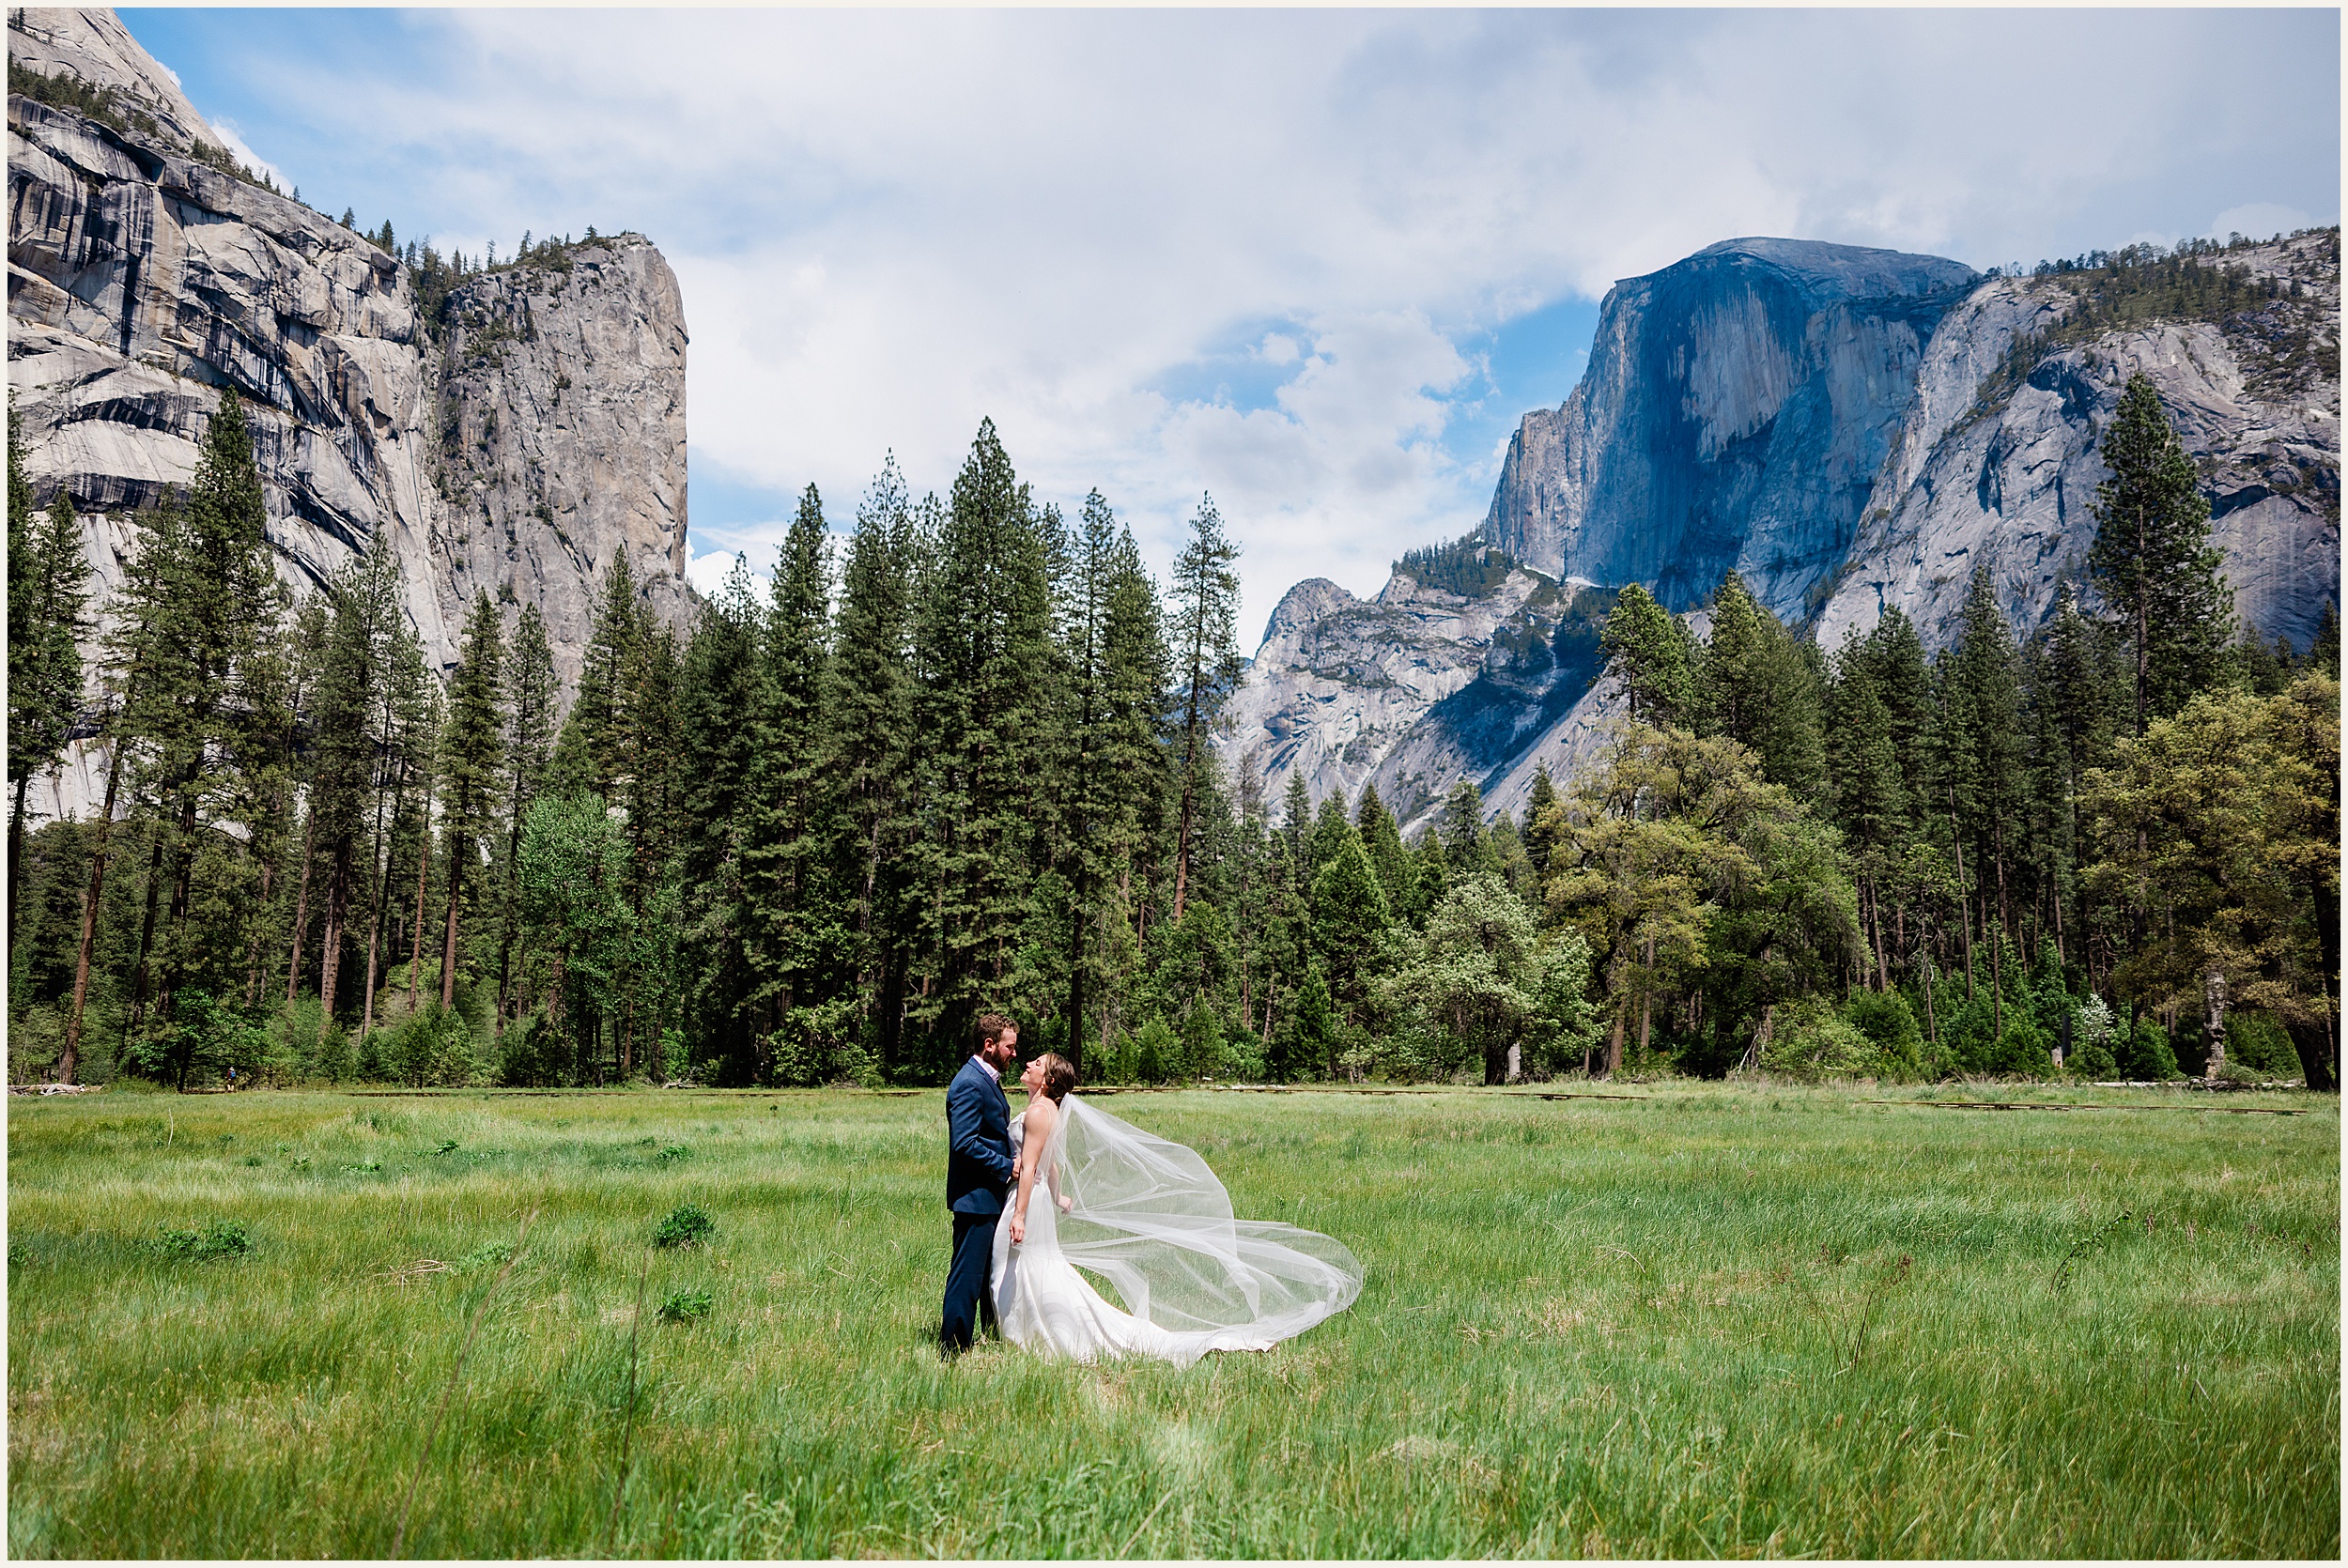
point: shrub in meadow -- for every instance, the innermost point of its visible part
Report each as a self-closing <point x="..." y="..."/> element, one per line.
<point x="686" y="1226"/>
<point x="1813" y="1042"/>
<point x="1156" y="1052"/>
<point x="685" y="1306"/>
<point x="2145" y="1055"/>
<point x="221" y="1239"/>
<point x="2092" y="1033"/>
<point x="1889" y="1025"/>
<point x="2257" y="1045"/>
<point x="532" y="1057"/>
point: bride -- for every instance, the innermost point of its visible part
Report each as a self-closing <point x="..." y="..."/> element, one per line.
<point x="1148" y="1216"/>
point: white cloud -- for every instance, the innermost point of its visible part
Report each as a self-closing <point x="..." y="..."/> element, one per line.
<point x="890" y="225"/>
<point x="709" y="572"/>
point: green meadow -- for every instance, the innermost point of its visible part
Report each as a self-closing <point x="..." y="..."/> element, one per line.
<point x="1703" y="1320"/>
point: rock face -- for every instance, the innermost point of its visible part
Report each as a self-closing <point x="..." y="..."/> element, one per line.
<point x="1416" y="688"/>
<point x="562" y="434"/>
<point x="1737" y="409"/>
<point x="511" y="444"/>
<point x="1849" y="430"/>
<point x="2014" y="479"/>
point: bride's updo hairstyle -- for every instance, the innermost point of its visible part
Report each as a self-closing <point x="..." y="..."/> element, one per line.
<point x="1060" y="1075"/>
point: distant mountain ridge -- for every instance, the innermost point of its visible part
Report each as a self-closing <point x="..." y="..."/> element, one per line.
<point x="1848" y="429"/>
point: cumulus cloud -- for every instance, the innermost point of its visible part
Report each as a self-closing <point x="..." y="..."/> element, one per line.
<point x="889" y="226"/>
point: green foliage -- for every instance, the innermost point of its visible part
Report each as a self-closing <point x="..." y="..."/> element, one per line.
<point x="806" y="839"/>
<point x="2256" y="1043"/>
<point x="47" y="613"/>
<point x="2152" y="559"/>
<point x="2100" y="292"/>
<point x="108" y="105"/>
<point x="1466" y="567"/>
<point x="1479" y="979"/>
<point x="1814" y="1042"/>
<point x="1893" y="1036"/>
<point x="687" y="1226"/>
<point x="490" y="1255"/>
<point x="218" y="1239"/>
<point x="684" y="1306"/>
<point x="2144" y="1056"/>
<point x="1309" y="1044"/>
<point x="433" y="1048"/>
<point x="1652" y="658"/>
<point x="532" y="1055"/>
<point x="1158" y="1051"/>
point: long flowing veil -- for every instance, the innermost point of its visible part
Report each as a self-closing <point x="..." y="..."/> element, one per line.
<point x="1148" y="1216"/>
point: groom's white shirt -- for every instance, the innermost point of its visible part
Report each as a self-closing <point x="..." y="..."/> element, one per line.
<point x="989" y="1069"/>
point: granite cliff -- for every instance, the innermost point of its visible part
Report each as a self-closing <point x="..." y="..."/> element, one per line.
<point x="1849" y="429"/>
<point x="510" y="439"/>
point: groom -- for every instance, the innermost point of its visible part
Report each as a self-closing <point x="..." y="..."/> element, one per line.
<point x="978" y="1177"/>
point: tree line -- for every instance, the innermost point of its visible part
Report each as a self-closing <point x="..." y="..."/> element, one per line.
<point x="963" y="760"/>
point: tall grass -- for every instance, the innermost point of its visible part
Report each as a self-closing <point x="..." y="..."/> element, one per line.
<point x="1711" y="1321"/>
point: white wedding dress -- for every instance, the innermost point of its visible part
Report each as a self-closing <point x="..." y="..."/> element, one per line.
<point x="1148" y="1216"/>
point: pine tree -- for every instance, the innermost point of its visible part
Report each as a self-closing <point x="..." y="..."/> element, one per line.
<point x="653" y="793"/>
<point x="1539" y="832"/>
<point x="1383" y="838"/>
<point x="1650" y="659"/>
<point x="1870" y="798"/>
<point x="1115" y="662"/>
<point x="1979" y="753"/>
<point x="400" y="719"/>
<point x="199" y="609"/>
<point x="787" y="911"/>
<point x="1760" y="688"/>
<point x="48" y="592"/>
<point x="472" y="751"/>
<point x="1296" y="824"/>
<point x="1330" y="831"/>
<point x="1134" y="762"/>
<point x="534" y="704"/>
<point x="987" y="669"/>
<point x="589" y="753"/>
<point x="2152" y="559"/>
<point x="717" y="690"/>
<point x="1465" y="841"/>
<point x="347" y="738"/>
<point x="868" y="710"/>
<point x="1313" y="1035"/>
<point x="1206" y="599"/>
<point x="1895" y="656"/>
<point x="1350" y="921"/>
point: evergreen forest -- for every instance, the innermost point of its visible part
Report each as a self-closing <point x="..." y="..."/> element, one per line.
<point x="960" y="758"/>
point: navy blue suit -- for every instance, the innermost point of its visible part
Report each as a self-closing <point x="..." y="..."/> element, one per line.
<point x="978" y="1179"/>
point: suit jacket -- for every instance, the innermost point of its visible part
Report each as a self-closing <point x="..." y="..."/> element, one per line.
<point x="978" y="1132"/>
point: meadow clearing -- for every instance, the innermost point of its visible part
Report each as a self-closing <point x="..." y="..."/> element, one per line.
<point x="1705" y="1320"/>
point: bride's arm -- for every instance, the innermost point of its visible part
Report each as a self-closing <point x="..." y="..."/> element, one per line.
<point x="1038" y="1117"/>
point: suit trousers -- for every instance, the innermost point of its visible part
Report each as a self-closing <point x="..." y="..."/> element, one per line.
<point x="967" y="1279"/>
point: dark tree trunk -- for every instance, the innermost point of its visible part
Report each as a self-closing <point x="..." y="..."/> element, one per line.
<point x="70" y="1063"/>
<point x="301" y="913"/>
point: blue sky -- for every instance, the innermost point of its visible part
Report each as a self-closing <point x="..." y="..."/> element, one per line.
<point x="1318" y="262"/>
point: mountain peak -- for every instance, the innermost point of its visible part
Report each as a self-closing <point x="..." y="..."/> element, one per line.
<point x="1845" y="272"/>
